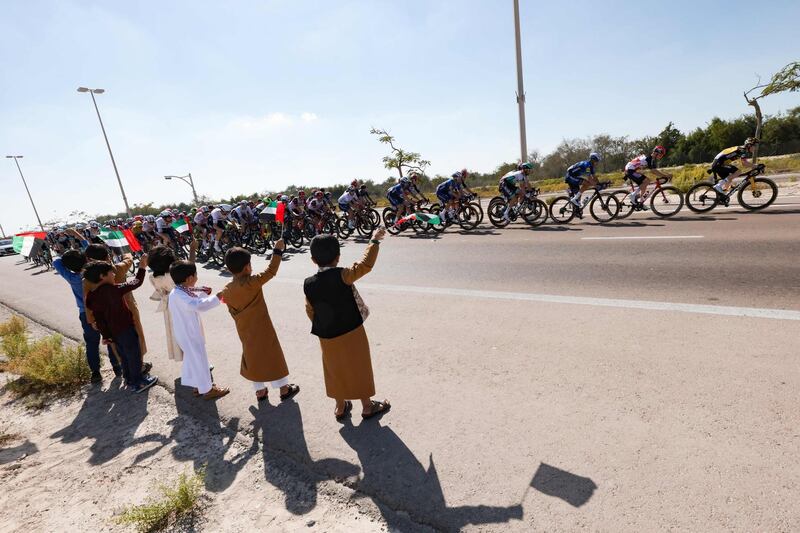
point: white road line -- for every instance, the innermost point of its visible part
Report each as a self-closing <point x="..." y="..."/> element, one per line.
<point x="622" y="237"/>
<point x="721" y="310"/>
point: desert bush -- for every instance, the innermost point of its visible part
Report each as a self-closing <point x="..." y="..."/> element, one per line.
<point x="173" y="504"/>
<point x="15" y="326"/>
<point x="49" y="362"/>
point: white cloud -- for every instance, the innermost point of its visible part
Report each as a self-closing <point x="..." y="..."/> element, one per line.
<point x="266" y="122"/>
<point x="308" y="117"/>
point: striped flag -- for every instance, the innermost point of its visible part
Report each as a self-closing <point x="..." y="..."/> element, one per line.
<point x="26" y="244"/>
<point x="274" y="211"/>
<point x="133" y="242"/>
<point x="422" y="217"/>
<point x="115" y="239"/>
<point x="180" y="225"/>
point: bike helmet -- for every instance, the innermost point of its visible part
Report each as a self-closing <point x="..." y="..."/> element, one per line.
<point x="327" y="194"/>
<point x="660" y="150"/>
<point x="80" y="226"/>
<point x="525" y="166"/>
<point x="319" y="194"/>
<point x="284" y="198"/>
<point x="405" y="180"/>
<point x="137" y="218"/>
<point x="226" y="207"/>
<point x="750" y="141"/>
<point x="94" y="224"/>
<point x="594" y="156"/>
<point x="243" y="203"/>
<point x="301" y="194"/>
<point x="363" y="188"/>
<point x="354" y="183"/>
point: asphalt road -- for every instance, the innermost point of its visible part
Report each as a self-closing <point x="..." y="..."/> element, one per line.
<point x="531" y="387"/>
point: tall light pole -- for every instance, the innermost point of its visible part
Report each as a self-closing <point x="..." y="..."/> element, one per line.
<point x="92" y="92"/>
<point x="190" y="182"/>
<point x="523" y="141"/>
<point x="16" y="159"/>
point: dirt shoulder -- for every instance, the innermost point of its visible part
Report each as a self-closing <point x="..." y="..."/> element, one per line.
<point x="76" y="463"/>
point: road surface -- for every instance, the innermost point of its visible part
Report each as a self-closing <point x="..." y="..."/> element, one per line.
<point x="636" y="376"/>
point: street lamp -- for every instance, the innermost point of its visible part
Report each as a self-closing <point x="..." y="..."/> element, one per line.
<point x="523" y="141"/>
<point x="16" y="159"/>
<point x="189" y="182"/>
<point x="93" y="92"/>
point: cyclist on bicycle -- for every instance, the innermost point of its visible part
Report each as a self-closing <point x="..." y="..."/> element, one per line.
<point x="219" y="221"/>
<point x="514" y="185"/>
<point x="348" y="202"/>
<point x="363" y="196"/>
<point x="580" y="177"/>
<point x="316" y="208"/>
<point x="164" y="229"/>
<point x="639" y="163"/>
<point x="461" y="176"/>
<point x="401" y="194"/>
<point x="201" y="223"/>
<point x="722" y="168"/>
<point x="448" y="192"/>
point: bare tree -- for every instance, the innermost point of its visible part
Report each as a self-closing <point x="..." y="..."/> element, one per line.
<point x="400" y="158"/>
<point x="785" y="80"/>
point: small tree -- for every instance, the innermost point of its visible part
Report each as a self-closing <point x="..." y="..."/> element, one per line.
<point x="785" y="80"/>
<point x="399" y="159"/>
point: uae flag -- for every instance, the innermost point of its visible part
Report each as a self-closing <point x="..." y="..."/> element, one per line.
<point x="116" y="240"/>
<point x="422" y="217"/>
<point x="28" y="244"/>
<point x="180" y="226"/>
<point x="274" y="211"/>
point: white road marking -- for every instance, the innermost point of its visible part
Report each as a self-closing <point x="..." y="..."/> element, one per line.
<point x="622" y="237"/>
<point x="720" y="310"/>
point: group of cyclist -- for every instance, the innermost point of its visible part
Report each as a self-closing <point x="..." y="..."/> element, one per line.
<point x="209" y="222"/>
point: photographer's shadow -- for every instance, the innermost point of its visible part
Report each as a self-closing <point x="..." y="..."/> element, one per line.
<point x="393" y="476"/>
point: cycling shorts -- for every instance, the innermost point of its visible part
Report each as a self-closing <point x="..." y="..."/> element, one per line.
<point x="443" y="196"/>
<point x="344" y="207"/>
<point x="634" y="176"/>
<point x="219" y="224"/>
<point x="573" y="182"/>
<point x="395" y="200"/>
<point x="723" y="171"/>
<point x="508" y="191"/>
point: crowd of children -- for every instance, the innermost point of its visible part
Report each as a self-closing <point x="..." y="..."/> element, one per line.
<point x="109" y="315"/>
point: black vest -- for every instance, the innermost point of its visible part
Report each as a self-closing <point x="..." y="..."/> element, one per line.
<point x="335" y="308"/>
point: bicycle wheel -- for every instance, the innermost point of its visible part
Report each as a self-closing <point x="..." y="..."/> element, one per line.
<point x="496" y="212"/>
<point x="604" y="207"/>
<point x="468" y="217"/>
<point x="389" y="219"/>
<point x="343" y="228"/>
<point x="625" y="204"/>
<point x="535" y="213"/>
<point x="701" y="197"/>
<point x="375" y="218"/>
<point x="759" y="195"/>
<point x="477" y="205"/>
<point x="666" y="201"/>
<point x="295" y="237"/>
<point x="562" y="210"/>
<point x="364" y="226"/>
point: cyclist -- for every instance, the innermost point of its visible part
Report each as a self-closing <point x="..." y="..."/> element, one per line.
<point x="461" y="176"/>
<point x="448" y="192"/>
<point x="364" y="197"/>
<point x="242" y="214"/>
<point x="201" y="223"/>
<point x="639" y="163"/>
<point x="164" y="229"/>
<point x="349" y="199"/>
<point x="514" y="185"/>
<point x="219" y="220"/>
<point x="580" y="177"/>
<point x="722" y="168"/>
<point x="316" y="208"/>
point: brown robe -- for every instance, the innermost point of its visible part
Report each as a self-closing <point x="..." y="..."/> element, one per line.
<point x="120" y="275"/>
<point x="262" y="356"/>
<point x="346" y="360"/>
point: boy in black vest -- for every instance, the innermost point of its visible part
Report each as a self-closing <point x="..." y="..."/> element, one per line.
<point x="337" y="315"/>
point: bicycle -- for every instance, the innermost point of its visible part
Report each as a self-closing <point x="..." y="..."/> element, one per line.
<point x="466" y="215"/>
<point x="602" y="206"/>
<point x="390" y="218"/>
<point x="752" y="193"/>
<point x="665" y="201"/>
<point x="530" y="208"/>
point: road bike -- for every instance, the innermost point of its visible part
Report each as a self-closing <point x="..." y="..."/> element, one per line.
<point x="602" y="206"/>
<point x="665" y="200"/>
<point x="530" y="208"/>
<point x="466" y="215"/>
<point x="753" y="193"/>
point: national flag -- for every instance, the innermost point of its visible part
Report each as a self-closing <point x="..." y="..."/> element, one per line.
<point x="273" y="211"/>
<point x="428" y="218"/>
<point x="180" y="225"/>
<point x="133" y="242"/>
<point x="115" y="239"/>
<point x="26" y="243"/>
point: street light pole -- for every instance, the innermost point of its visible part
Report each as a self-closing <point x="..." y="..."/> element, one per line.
<point x="16" y="158"/>
<point x="110" y="153"/>
<point x="523" y="142"/>
<point x="190" y="183"/>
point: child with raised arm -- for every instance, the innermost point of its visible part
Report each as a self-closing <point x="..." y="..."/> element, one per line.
<point x="115" y="320"/>
<point x="186" y="302"/>
<point x="263" y="362"/>
<point x="337" y="316"/>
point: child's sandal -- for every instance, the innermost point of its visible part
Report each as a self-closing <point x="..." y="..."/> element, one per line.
<point x="348" y="406"/>
<point x="293" y="390"/>
<point x="264" y="397"/>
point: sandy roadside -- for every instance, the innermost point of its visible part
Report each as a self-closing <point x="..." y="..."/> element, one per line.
<point x="77" y="462"/>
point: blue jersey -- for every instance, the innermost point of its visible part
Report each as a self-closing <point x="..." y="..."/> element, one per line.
<point x="397" y="190"/>
<point x="578" y="170"/>
<point x="447" y="186"/>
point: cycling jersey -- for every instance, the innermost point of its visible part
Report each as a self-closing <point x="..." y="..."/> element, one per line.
<point x="147" y="227"/>
<point x="295" y="206"/>
<point x="445" y="190"/>
<point x="731" y="154"/>
<point x="161" y="225"/>
<point x="398" y="190"/>
<point x="218" y="215"/>
<point x="200" y="219"/>
<point x="641" y="162"/>
<point x="347" y="198"/>
<point x="581" y="168"/>
<point x="513" y="178"/>
<point x="315" y="205"/>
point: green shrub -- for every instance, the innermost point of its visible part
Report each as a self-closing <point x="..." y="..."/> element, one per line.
<point x="15" y="326"/>
<point x="48" y="362"/>
<point x="15" y="346"/>
<point x="176" y="502"/>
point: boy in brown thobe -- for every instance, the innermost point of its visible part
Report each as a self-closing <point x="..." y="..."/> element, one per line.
<point x="337" y="316"/>
<point x="262" y="357"/>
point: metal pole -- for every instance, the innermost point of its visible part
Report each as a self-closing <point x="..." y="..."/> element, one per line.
<point x="28" y="191"/>
<point x="194" y="192"/>
<point x="523" y="142"/>
<point x="2" y="231"/>
<point x="124" y="198"/>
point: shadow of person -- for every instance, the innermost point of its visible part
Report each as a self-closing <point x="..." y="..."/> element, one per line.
<point x="573" y="489"/>
<point x="394" y="476"/>
<point x="111" y="418"/>
<point x="14" y="453"/>
<point x="281" y="429"/>
<point x="201" y="438"/>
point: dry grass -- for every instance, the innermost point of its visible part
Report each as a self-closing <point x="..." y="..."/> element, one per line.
<point x="16" y="325"/>
<point x="5" y="438"/>
<point x="172" y="505"/>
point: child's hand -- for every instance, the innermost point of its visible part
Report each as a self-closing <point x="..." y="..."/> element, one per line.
<point x="206" y="290"/>
<point x="106" y="342"/>
<point x="380" y="234"/>
<point x="280" y="245"/>
<point x="143" y="261"/>
<point x="219" y="296"/>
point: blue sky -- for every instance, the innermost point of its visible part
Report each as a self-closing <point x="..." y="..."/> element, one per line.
<point x="253" y="95"/>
